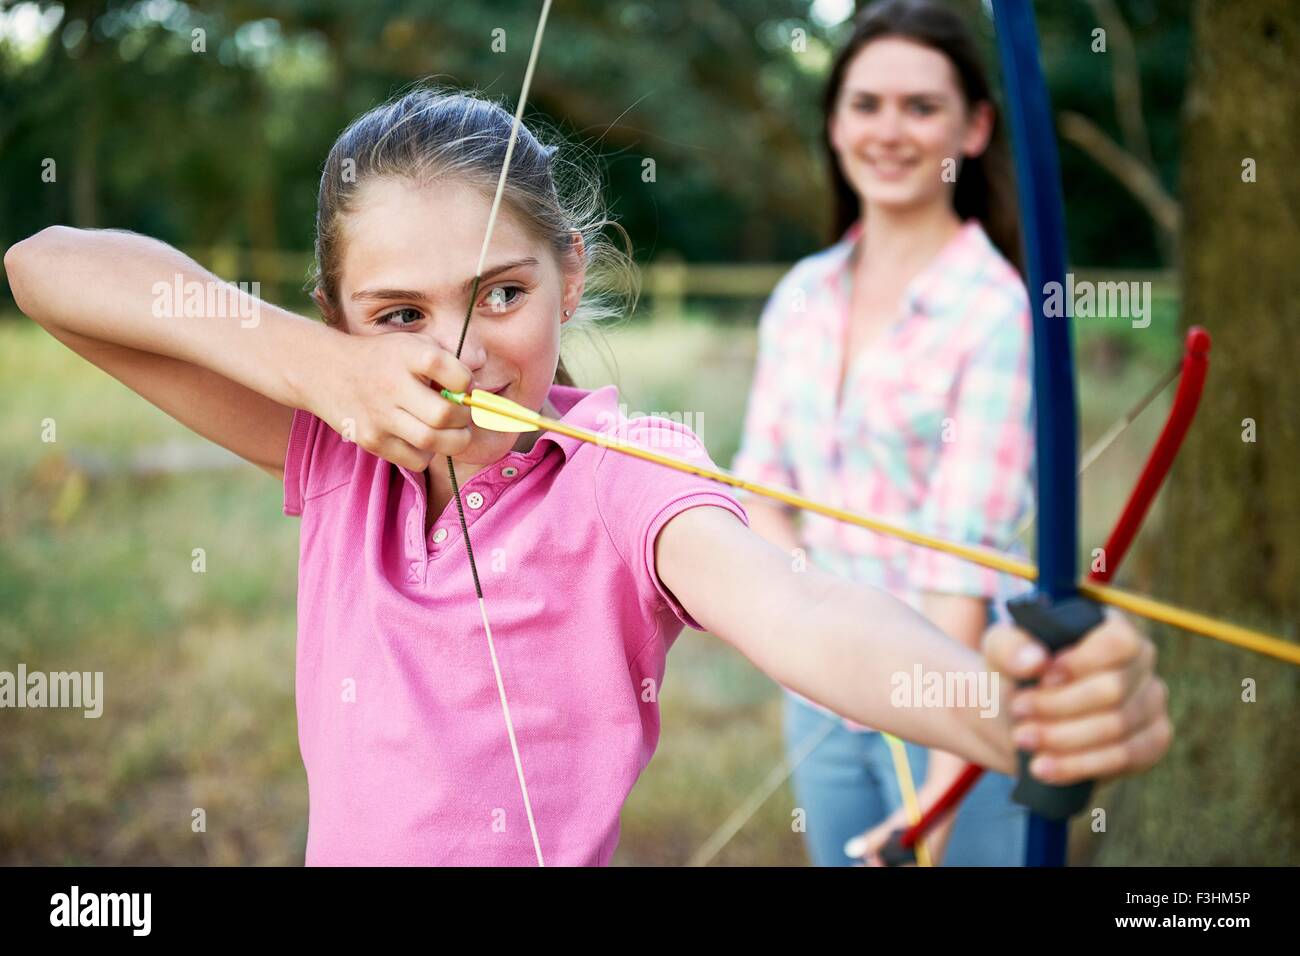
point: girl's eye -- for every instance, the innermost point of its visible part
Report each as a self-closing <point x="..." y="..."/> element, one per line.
<point x="502" y="297"/>
<point x="923" y="109"/>
<point x="388" y="318"/>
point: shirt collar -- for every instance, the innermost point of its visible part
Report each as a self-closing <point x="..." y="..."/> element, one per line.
<point x="594" y="410"/>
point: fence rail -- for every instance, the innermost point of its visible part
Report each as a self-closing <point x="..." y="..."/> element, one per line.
<point x="667" y="283"/>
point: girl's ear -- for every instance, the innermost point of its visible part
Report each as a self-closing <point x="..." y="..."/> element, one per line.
<point x="318" y="296"/>
<point x="575" y="276"/>
<point x="979" y="130"/>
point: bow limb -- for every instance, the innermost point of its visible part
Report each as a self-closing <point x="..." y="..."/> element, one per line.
<point x="1054" y="613"/>
<point x="451" y="468"/>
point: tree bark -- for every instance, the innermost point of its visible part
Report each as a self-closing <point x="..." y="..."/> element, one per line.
<point x="1229" y="792"/>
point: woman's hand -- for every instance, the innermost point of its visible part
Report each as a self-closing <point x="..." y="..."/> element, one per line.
<point x="867" y="846"/>
<point x="1098" y="710"/>
<point x="381" y="391"/>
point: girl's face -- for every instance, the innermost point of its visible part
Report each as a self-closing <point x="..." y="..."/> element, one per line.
<point x="899" y="115"/>
<point x="409" y="254"/>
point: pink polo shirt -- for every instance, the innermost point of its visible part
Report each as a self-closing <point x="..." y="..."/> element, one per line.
<point x="399" y="722"/>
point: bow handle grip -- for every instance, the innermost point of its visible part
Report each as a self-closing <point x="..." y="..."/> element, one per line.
<point x="1058" y="624"/>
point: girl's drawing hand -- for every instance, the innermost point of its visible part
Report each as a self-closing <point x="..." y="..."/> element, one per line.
<point x="381" y="391"/>
<point x="1098" y="710"/>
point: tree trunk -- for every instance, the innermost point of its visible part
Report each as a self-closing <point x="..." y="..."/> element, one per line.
<point x="1229" y="791"/>
<point x="84" y="170"/>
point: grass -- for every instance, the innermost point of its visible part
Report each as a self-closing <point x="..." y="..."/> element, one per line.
<point x="198" y="667"/>
<point x="96" y="575"/>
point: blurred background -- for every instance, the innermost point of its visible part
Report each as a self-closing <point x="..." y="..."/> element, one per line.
<point x="206" y="124"/>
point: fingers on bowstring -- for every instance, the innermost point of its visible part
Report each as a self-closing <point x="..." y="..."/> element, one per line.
<point x="432" y="409"/>
<point x="439" y="365"/>
<point x="431" y="440"/>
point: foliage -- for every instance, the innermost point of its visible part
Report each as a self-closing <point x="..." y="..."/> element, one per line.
<point x="225" y="146"/>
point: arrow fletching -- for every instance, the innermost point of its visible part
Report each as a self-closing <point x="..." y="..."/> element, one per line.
<point x="493" y="412"/>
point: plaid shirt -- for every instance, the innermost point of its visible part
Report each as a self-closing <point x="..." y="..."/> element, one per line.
<point x="934" y="431"/>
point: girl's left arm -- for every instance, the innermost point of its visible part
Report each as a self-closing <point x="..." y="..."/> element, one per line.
<point x="1100" y="711"/>
<point x="832" y="641"/>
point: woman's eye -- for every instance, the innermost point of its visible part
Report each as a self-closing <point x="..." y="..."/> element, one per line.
<point x="923" y="109"/>
<point x="502" y="297"/>
<point x="389" y="317"/>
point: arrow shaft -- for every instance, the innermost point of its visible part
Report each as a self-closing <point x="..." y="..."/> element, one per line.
<point x="1136" y="604"/>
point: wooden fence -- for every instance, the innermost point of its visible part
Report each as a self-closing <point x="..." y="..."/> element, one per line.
<point x="667" y="283"/>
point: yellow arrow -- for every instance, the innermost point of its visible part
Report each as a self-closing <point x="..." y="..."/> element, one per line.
<point x="496" y="413"/>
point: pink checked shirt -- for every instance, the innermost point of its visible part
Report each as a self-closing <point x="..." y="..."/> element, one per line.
<point x="934" y="432"/>
<point x="399" y="722"/>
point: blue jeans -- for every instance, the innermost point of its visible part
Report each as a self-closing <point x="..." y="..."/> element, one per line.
<point x="847" y="785"/>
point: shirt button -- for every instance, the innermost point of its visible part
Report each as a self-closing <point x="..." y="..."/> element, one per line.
<point x="440" y="536"/>
<point x="474" y="500"/>
<point x="509" y="472"/>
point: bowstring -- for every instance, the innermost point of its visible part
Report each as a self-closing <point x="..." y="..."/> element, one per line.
<point x="451" y="468"/>
<point x="1109" y="437"/>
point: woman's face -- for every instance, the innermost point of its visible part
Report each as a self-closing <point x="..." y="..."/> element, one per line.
<point x="900" y="114"/>
<point x="409" y="254"/>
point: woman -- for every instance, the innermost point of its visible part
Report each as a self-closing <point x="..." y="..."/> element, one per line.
<point x="919" y="318"/>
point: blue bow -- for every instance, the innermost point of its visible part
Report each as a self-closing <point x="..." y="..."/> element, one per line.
<point x="1038" y="184"/>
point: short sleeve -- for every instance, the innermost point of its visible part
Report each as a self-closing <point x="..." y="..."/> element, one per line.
<point x="636" y="498"/>
<point x="317" y="460"/>
<point x="763" y="454"/>
<point x="980" y="489"/>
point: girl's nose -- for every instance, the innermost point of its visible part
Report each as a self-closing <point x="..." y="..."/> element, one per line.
<point x="443" y="334"/>
<point x="446" y="335"/>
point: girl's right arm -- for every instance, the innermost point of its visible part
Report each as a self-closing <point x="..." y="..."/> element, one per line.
<point x="234" y="378"/>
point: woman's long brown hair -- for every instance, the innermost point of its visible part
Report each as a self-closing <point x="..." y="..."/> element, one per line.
<point x="985" y="186"/>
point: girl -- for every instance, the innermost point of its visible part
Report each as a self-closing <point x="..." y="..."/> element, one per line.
<point x="591" y="562"/>
<point x="917" y="323"/>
